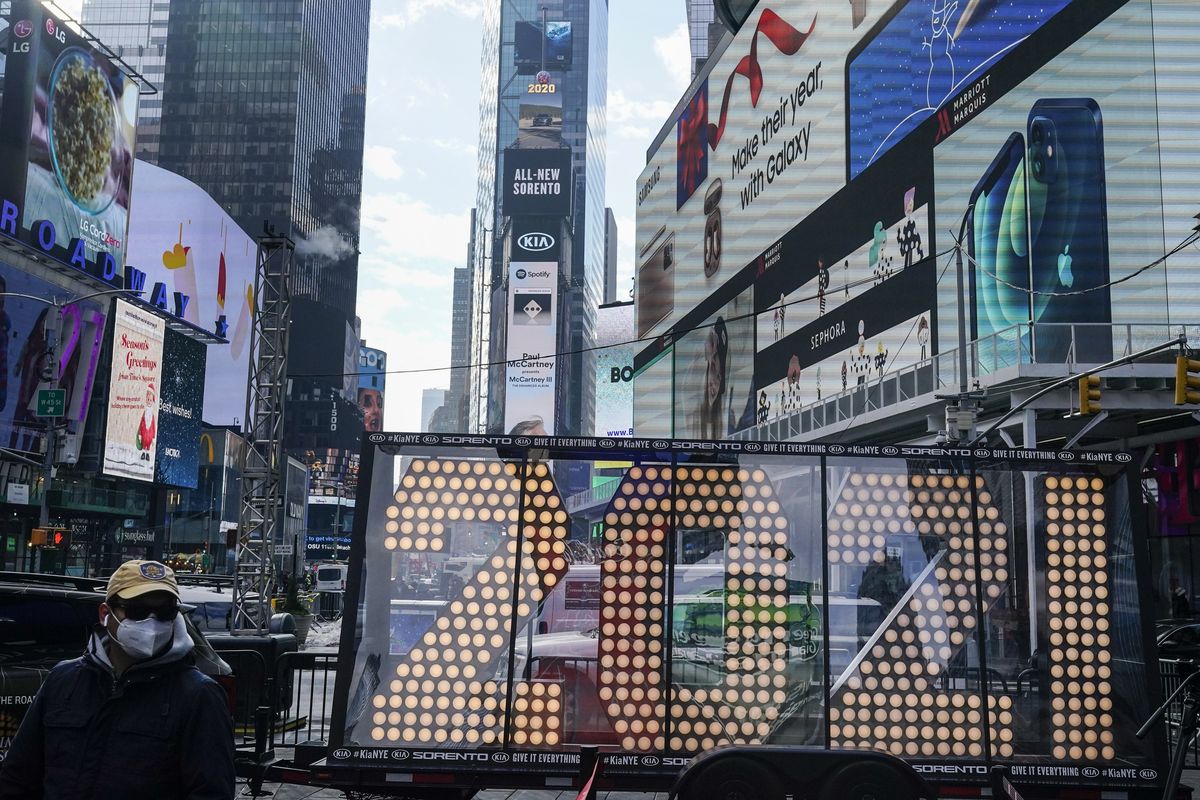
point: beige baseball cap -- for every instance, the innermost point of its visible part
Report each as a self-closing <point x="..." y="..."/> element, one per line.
<point x="135" y="578"/>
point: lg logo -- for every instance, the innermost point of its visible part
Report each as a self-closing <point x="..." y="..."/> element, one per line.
<point x="536" y="242"/>
<point x="23" y="28"/>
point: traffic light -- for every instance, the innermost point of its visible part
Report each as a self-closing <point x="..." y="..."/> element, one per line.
<point x="1187" y="381"/>
<point x="1089" y="395"/>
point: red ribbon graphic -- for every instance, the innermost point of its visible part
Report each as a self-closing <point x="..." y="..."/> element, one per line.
<point x="786" y="39"/>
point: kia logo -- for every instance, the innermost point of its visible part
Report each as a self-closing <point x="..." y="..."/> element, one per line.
<point x="401" y="755"/>
<point x="430" y="439"/>
<point x="500" y="758"/>
<point x="650" y="761"/>
<point x="23" y="28"/>
<point x="891" y="451"/>
<point x="753" y="447"/>
<point x="341" y="753"/>
<point x="1090" y="772"/>
<point x="377" y="438"/>
<point x="1124" y="458"/>
<point x="1066" y="455"/>
<point x="536" y="242"/>
<point x="983" y="453"/>
<point x="837" y="449"/>
<point x="521" y="274"/>
<point x="522" y="441"/>
<point x="1148" y="774"/>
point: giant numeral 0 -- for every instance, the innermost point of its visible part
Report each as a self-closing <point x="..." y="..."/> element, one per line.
<point x="442" y="691"/>
<point x="650" y="502"/>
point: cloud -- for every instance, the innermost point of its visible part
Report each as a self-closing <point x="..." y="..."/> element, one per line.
<point x="325" y="242"/>
<point x="674" y="50"/>
<point x="414" y="10"/>
<point x="409" y="230"/>
<point x="635" y="119"/>
<point x="381" y="162"/>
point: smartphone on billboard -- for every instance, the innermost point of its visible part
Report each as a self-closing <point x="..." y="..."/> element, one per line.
<point x="998" y="244"/>
<point x="1068" y="229"/>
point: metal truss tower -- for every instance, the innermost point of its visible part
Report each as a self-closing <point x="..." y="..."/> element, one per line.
<point x="263" y="465"/>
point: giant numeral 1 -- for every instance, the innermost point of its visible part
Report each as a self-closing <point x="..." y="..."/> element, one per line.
<point x="443" y="690"/>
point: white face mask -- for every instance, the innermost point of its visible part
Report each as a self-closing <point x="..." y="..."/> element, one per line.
<point x="141" y="639"/>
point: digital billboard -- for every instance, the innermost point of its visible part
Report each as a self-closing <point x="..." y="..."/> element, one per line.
<point x="181" y="238"/>
<point x="180" y="408"/>
<point x="615" y="349"/>
<point x="134" y="392"/>
<point x="23" y="350"/>
<point x="748" y="593"/>
<point x="540" y="122"/>
<point x="817" y="177"/>
<point x="372" y="381"/>
<point x="537" y="182"/>
<point x="536" y="48"/>
<point x="67" y="128"/>
<point x="529" y="391"/>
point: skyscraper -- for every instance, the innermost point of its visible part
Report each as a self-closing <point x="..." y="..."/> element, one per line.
<point x="583" y="89"/>
<point x="136" y="30"/>
<point x="610" y="257"/>
<point x="704" y="31"/>
<point x="457" y="403"/>
<point x="264" y="107"/>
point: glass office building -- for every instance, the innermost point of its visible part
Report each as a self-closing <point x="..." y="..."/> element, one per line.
<point x="584" y="89"/>
<point x="264" y="107"/>
<point x="136" y="30"/>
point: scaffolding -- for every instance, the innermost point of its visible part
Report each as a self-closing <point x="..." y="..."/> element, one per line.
<point x="263" y="461"/>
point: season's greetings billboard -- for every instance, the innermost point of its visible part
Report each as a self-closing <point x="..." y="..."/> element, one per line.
<point x="135" y="385"/>
<point x="795" y="220"/>
<point x="67" y="129"/>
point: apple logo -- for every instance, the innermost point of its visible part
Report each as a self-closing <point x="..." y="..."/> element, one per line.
<point x="1064" y="268"/>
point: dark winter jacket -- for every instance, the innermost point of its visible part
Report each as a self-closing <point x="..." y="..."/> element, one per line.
<point x="161" y="731"/>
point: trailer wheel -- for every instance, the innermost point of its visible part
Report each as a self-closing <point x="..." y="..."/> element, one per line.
<point x="734" y="779"/>
<point x="866" y="782"/>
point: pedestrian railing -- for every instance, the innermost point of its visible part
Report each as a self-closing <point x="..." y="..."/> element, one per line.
<point x="1168" y="669"/>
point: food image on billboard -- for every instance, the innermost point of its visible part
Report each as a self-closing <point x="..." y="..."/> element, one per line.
<point x="532" y="336"/>
<point x="541" y="116"/>
<point x="537" y="182"/>
<point x="180" y="408"/>
<point x="180" y="237"/>
<point x="135" y="386"/>
<point x="68" y="125"/>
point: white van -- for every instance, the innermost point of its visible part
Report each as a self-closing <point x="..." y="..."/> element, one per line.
<point x="332" y="577"/>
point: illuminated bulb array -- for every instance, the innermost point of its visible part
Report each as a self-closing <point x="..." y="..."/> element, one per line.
<point x="743" y="706"/>
<point x="1078" y="606"/>
<point x="441" y="692"/>
<point x="890" y="702"/>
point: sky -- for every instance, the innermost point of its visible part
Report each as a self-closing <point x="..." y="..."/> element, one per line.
<point x="419" y="170"/>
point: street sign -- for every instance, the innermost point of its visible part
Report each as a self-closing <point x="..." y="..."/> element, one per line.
<point x="51" y="402"/>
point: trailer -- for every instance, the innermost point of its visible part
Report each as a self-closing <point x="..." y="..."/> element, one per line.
<point x="946" y="610"/>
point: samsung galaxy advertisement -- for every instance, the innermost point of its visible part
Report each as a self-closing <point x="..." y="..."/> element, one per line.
<point x="532" y="334"/>
<point x="181" y="238"/>
<point x="797" y="218"/>
<point x="135" y="387"/>
<point x="67" y="128"/>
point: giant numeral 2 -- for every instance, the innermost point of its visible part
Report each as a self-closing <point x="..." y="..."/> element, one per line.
<point x="742" y="707"/>
<point x="443" y="691"/>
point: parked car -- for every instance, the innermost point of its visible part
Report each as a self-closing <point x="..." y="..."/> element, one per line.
<point x="542" y="120"/>
<point x="46" y="619"/>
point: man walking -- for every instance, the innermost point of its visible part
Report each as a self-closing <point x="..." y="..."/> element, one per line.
<point x="132" y="718"/>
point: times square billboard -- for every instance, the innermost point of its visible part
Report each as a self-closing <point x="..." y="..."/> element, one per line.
<point x="796" y="219"/>
<point x="67" y="132"/>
